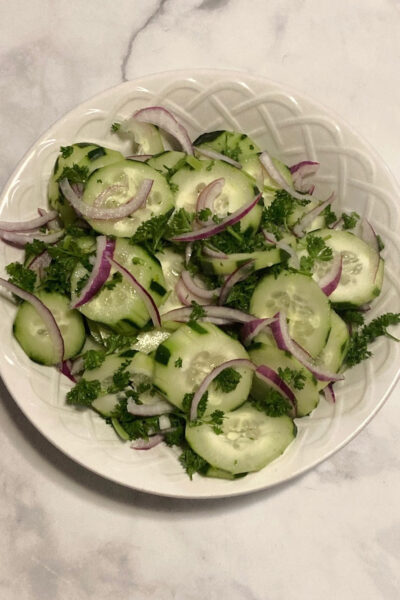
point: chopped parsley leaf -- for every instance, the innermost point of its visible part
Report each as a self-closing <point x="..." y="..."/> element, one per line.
<point x="227" y="380"/>
<point x="75" y="174"/>
<point x="358" y="348"/>
<point x="66" y="151"/>
<point x="350" y="221"/>
<point x="84" y="392"/>
<point x="192" y="462"/>
<point x="272" y="403"/>
<point x="21" y="276"/>
<point x="292" y="377"/>
<point x="116" y="278"/>
<point x="197" y="312"/>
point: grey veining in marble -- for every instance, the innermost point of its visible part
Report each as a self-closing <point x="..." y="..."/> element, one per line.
<point x="66" y="533"/>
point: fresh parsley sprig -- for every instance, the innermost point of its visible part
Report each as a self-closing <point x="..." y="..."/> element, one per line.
<point x="358" y="347"/>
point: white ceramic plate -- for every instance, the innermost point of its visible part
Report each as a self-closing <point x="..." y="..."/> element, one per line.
<point x="291" y="127"/>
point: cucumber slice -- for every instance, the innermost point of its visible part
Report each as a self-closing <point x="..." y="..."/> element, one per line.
<point x="141" y="368"/>
<point x="166" y="161"/>
<point x="121" y="307"/>
<point x="248" y="442"/>
<point x="124" y="179"/>
<point x="362" y="269"/>
<point x="234" y="144"/>
<point x="262" y="259"/>
<point x="332" y="355"/>
<point x="268" y="354"/>
<point x="300" y="211"/>
<point x="239" y="189"/>
<point x="32" y="334"/>
<point x="146" y="138"/>
<point x="201" y="347"/>
<point x="90" y="156"/>
<point x="100" y="157"/>
<point x="251" y="165"/>
<point x="306" y="307"/>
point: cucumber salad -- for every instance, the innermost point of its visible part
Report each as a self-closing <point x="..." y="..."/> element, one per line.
<point x="203" y="297"/>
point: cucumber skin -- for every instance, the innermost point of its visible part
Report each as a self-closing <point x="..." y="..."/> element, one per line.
<point x="27" y="343"/>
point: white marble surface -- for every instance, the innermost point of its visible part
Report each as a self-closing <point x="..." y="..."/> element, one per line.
<point x="66" y="533"/>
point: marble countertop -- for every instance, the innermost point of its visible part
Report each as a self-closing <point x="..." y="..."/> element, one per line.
<point x="66" y="533"/>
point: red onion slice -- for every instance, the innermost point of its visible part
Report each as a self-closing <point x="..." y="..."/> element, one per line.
<point x="239" y="274"/>
<point x="159" y="116"/>
<point x="251" y="329"/>
<point x="329" y="282"/>
<point x="45" y="314"/>
<point x="284" y="342"/>
<point x="21" y="239"/>
<point x="142" y="444"/>
<point x="299" y="228"/>
<point x="304" y="168"/>
<point x="161" y="407"/>
<point x="210" y="230"/>
<point x="198" y="290"/>
<point x="220" y="312"/>
<point x="269" y="237"/>
<point x="100" y="272"/>
<point x="209" y="153"/>
<point x="53" y="224"/>
<point x="300" y="171"/>
<point x="19" y="226"/>
<point x="186" y="296"/>
<point x="214" y="253"/>
<point x="143" y="293"/>
<point x="368" y="235"/>
<point x="238" y="363"/>
<point x="95" y="212"/>
<point x="267" y="163"/>
<point x="330" y="394"/>
<point x="65" y="369"/>
<point x="271" y="378"/>
<point x="207" y="197"/>
<point x="39" y="263"/>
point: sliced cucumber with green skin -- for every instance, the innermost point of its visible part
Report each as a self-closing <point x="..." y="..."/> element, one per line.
<point x="124" y="179"/>
<point x="201" y="347"/>
<point x="239" y="189"/>
<point x="56" y="200"/>
<point x="121" y="307"/>
<point x="267" y="354"/>
<point x="253" y="167"/>
<point x="100" y="157"/>
<point x="32" y="333"/>
<point x="332" y="355"/>
<point x="248" y="442"/>
<point x="164" y="162"/>
<point x="225" y="266"/>
<point x="140" y="367"/>
<point x="90" y="156"/>
<point x="234" y="144"/>
<point x="301" y="211"/>
<point x="304" y="303"/>
<point x="119" y="430"/>
<point x="362" y="269"/>
<point x="146" y="138"/>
